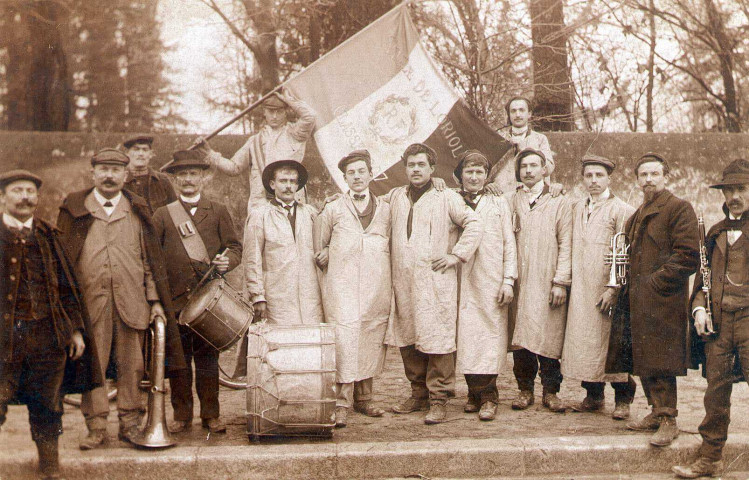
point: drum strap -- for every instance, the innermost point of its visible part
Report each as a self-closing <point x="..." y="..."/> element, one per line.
<point x="188" y="233"/>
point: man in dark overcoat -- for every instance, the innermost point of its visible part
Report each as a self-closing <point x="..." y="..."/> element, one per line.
<point x="44" y="322"/>
<point x="154" y="187"/>
<point x="110" y="240"/>
<point x="649" y="329"/>
<point x="724" y="333"/>
<point x="192" y="232"/>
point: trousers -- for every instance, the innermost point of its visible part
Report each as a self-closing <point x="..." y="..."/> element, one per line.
<point x="206" y="378"/>
<point x="34" y="377"/>
<point x="431" y="375"/>
<point x="482" y="388"/>
<point x="661" y="395"/>
<point x="623" y="391"/>
<point x="526" y="366"/>
<point x="358" y="391"/>
<point x="115" y="338"/>
<point x="733" y="338"/>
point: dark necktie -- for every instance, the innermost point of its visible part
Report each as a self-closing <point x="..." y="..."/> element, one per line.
<point x="108" y="204"/>
<point x="470" y="197"/>
<point x="292" y="218"/>
<point x="359" y="196"/>
<point x="189" y="206"/>
<point x="22" y="233"/>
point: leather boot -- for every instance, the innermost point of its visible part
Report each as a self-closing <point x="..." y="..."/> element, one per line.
<point x="648" y="422"/>
<point x="49" y="463"/>
<point x="667" y="432"/>
<point x="702" y="467"/>
<point x="523" y="400"/>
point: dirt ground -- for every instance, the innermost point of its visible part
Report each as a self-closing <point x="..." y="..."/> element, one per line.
<point x="390" y="386"/>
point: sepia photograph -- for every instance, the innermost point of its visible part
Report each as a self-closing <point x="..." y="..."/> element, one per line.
<point x="374" y="239"/>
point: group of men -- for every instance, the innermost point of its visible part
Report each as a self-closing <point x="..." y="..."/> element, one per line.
<point x="454" y="279"/>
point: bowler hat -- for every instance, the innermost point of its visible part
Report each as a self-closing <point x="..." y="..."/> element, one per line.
<point x="524" y="153"/>
<point x="355" y="156"/>
<point x="274" y="102"/>
<point x="270" y="171"/>
<point x="185" y="159"/>
<point x="147" y="139"/>
<point x="590" y="159"/>
<point x="736" y="173"/>
<point x="110" y="156"/>
<point x="473" y="155"/>
<point x="16" y="175"/>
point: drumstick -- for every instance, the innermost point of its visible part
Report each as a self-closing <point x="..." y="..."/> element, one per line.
<point x="209" y="272"/>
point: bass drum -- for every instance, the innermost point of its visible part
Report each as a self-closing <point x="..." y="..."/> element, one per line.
<point x="218" y="314"/>
<point x="290" y="380"/>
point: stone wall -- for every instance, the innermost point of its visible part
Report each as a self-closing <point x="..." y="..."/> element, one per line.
<point x="62" y="160"/>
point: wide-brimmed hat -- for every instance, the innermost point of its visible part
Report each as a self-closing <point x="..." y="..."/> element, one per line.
<point x="524" y="153"/>
<point x="185" y="159"/>
<point x="736" y="173"/>
<point x="275" y="102"/>
<point x="110" y="156"/>
<point x="11" y="176"/>
<point x="270" y="171"/>
<point x="466" y="156"/>
<point x="355" y="156"/>
<point x="590" y="159"/>
<point x="147" y="139"/>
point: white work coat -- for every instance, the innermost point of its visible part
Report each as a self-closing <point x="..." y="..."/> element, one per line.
<point x="356" y="285"/>
<point x="280" y="269"/>
<point x="426" y="302"/>
<point x="586" y="340"/>
<point x="482" y="323"/>
<point x="544" y="243"/>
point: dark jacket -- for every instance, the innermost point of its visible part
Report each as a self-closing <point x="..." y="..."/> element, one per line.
<point x="65" y="303"/>
<point x="215" y="227"/>
<point x="75" y="220"/>
<point x="649" y="328"/>
<point x="157" y="190"/>
<point x="717" y="263"/>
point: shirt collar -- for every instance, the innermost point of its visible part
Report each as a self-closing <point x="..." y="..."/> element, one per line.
<point x="13" y="222"/>
<point x="102" y="200"/>
<point x="517" y="132"/>
<point x="365" y="192"/>
<point x="604" y="196"/>
<point x="193" y="199"/>
<point x="282" y="204"/>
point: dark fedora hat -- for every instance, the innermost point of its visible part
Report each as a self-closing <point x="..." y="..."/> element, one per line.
<point x="11" y="176"/>
<point x="270" y="171"/>
<point x="146" y="139"/>
<point x="185" y="159"/>
<point x="472" y="155"/>
<point x="524" y="153"/>
<point x="110" y="156"/>
<point x="590" y="159"/>
<point x="355" y="156"/>
<point x="736" y="173"/>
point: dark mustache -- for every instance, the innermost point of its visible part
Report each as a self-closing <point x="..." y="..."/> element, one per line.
<point x="26" y="203"/>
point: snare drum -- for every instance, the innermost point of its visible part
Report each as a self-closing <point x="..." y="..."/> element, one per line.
<point x="290" y="380"/>
<point x="218" y="314"/>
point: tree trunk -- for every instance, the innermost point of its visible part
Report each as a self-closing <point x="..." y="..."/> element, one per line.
<point x="651" y="69"/>
<point x="725" y="59"/>
<point x="38" y="96"/>
<point x="552" y="87"/>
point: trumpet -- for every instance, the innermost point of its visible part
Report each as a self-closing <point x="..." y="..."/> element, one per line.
<point x="618" y="259"/>
<point x="156" y="433"/>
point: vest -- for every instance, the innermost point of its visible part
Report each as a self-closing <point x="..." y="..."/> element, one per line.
<point x="32" y="298"/>
<point x="736" y="282"/>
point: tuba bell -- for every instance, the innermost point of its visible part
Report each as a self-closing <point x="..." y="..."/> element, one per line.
<point x="156" y="434"/>
<point x="618" y="259"/>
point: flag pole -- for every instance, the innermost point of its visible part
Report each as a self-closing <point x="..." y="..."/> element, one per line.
<point x="239" y="115"/>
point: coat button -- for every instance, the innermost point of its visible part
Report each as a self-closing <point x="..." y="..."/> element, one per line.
<point x="12" y="278"/>
<point x="10" y="296"/>
<point x="13" y="260"/>
<point x="6" y="316"/>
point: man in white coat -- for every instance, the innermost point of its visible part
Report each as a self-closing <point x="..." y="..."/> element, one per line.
<point x="543" y="229"/>
<point x="426" y="249"/>
<point x="278" y="255"/>
<point x="278" y="139"/>
<point x="486" y="289"/>
<point x="352" y="241"/>
<point x="596" y="218"/>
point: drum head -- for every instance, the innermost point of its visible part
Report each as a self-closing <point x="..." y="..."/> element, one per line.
<point x="200" y="301"/>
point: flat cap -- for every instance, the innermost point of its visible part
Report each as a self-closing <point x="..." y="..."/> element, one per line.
<point x="185" y="159"/>
<point x="110" y="156"/>
<point x="736" y="173"/>
<point x="590" y="159"/>
<point x="16" y="175"/>
<point x="270" y="171"/>
<point x="652" y="157"/>
<point x="524" y="153"/>
<point x="274" y="102"/>
<point x="355" y="156"/>
<point x="147" y="139"/>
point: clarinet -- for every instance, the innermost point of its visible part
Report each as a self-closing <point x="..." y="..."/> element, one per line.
<point x="705" y="267"/>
